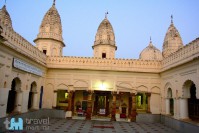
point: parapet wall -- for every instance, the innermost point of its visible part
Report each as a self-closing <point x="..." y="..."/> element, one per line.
<point x="187" y="53"/>
<point x="18" y="43"/>
<point x="104" y="64"/>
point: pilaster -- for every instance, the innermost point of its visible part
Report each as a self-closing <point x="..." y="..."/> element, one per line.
<point x="149" y="102"/>
<point x="55" y="99"/>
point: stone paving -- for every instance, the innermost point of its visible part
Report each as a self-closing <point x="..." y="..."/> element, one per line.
<point x="88" y="126"/>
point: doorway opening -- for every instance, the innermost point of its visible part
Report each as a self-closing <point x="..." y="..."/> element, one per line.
<point x="32" y="92"/>
<point x="193" y="103"/>
<point x="12" y="95"/>
<point x="101" y="103"/>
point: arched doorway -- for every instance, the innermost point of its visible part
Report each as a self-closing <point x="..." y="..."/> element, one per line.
<point x="169" y="102"/>
<point x="32" y="96"/>
<point x="189" y="103"/>
<point x="12" y="102"/>
<point x="193" y="103"/>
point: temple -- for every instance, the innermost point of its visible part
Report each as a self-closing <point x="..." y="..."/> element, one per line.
<point x="41" y="77"/>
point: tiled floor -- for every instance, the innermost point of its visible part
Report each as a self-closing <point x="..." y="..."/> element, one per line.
<point x="86" y="126"/>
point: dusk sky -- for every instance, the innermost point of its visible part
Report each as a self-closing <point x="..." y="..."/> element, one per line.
<point x="133" y="21"/>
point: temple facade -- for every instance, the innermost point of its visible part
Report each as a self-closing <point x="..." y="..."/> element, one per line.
<point x="102" y="86"/>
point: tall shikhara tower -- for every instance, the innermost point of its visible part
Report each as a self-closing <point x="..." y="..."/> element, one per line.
<point x="49" y="40"/>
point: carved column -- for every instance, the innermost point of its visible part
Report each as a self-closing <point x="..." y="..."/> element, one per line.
<point x="133" y="110"/>
<point x="148" y="104"/>
<point x="113" y="106"/>
<point x="89" y="105"/>
<point x="55" y="99"/>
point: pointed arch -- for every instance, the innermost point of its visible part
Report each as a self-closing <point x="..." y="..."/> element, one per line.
<point x="186" y="88"/>
<point x="125" y="85"/>
<point x="62" y="86"/>
<point x="155" y="89"/>
<point x="33" y="87"/>
<point x="142" y="88"/>
<point x="168" y="91"/>
<point x="81" y="84"/>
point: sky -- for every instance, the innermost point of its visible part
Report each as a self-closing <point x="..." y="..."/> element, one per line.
<point x="133" y="21"/>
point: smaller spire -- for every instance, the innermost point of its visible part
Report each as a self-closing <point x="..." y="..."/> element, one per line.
<point x="171" y="19"/>
<point x="5" y="2"/>
<point x="54" y="2"/>
<point x="106" y="13"/>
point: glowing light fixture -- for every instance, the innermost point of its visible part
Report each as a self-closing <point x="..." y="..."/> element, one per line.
<point x="102" y="86"/>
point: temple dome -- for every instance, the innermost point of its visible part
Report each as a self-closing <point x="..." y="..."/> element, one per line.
<point x="5" y="17"/>
<point x="51" y="27"/>
<point x="151" y="53"/>
<point x="172" y="41"/>
<point x="105" y="34"/>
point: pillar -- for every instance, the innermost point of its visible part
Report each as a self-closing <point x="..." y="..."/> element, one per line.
<point x="177" y="106"/>
<point x="69" y="109"/>
<point x="89" y="105"/>
<point x="55" y="99"/>
<point x="25" y="97"/>
<point x="133" y="109"/>
<point x="4" y="92"/>
<point x="167" y="103"/>
<point x="183" y="108"/>
<point x="148" y="110"/>
<point x="163" y="105"/>
<point x="34" y="101"/>
<point x="18" y="101"/>
<point x="113" y="106"/>
<point x="70" y="96"/>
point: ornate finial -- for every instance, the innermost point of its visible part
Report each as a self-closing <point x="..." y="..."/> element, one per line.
<point x="106" y="14"/>
<point x="150" y="44"/>
<point x="5" y="2"/>
<point x="150" y="40"/>
<point x="54" y="2"/>
<point x="171" y="19"/>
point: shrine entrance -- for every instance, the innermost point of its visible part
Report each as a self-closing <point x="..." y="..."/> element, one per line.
<point x="101" y="103"/>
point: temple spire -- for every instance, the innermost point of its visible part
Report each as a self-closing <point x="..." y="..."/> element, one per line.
<point x="5" y="2"/>
<point x="54" y="2"/>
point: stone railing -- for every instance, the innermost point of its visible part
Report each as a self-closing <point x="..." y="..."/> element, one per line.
<point x="185" y="54"/>
<point x="104" y="64"/>
<point x="18" y="43"/>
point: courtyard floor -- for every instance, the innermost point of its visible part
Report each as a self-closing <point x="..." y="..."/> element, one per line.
<point x="88" y="126"/>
